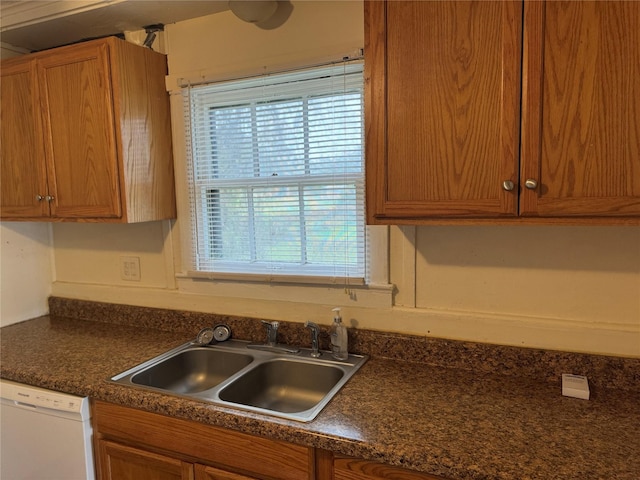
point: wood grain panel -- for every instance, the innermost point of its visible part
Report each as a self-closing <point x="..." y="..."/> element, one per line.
<point x="448" y="97"/>
<point x="141" y="105"/>
<point x="447" y="82"/>
<point x="79" y="126"/>
<point x="122" y="462"/>
<point x="238" y="452"/>
<point x="347" y="468"/>
<point x="22" y="169"/>
<point x="585" y="154"/>
<point x="323" y="461"/>
<point x="204" y="472"/>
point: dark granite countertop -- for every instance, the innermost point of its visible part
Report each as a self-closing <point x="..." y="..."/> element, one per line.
<point x="453" y="422"/>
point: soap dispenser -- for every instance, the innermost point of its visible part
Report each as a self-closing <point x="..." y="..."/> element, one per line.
<point x="339" y="339"/>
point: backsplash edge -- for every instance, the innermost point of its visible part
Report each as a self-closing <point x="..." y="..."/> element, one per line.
<point x="545" y="365"/>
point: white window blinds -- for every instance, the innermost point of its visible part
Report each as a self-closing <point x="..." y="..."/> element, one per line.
<point x="277" y="183"/>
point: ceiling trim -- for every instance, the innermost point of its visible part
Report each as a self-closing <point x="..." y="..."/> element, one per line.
<point x="17" y="14"/>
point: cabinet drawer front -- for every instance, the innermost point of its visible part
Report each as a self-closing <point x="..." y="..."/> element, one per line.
<point x="237" y="451"/>
<point x="210" y="473"/>
<point x="346" y="468"/>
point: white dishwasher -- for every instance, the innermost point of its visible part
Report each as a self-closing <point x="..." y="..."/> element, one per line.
<point x="44" y="435"/>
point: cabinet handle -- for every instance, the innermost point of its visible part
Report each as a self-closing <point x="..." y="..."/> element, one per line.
<point x="39" y="198"/>
<point x="49" y="198"/>
<point x="531" y="184"/>
<point x="508" y="185"/>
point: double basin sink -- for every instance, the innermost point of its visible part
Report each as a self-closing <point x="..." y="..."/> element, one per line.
<point x="294" y="386"/>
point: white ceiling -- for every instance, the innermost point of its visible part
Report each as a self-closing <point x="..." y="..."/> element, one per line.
<point x="40" y="24"/>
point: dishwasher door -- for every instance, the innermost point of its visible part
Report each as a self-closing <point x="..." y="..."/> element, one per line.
<point x="44" y="435"/>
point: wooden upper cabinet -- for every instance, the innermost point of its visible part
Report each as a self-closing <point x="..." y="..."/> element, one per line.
<point x="502" y="111"/>
<point x="104" y="145"/>
<point x="79" y="128"/>
<point x="581" y="108"/>
<point x="442" y="111"/>
<point x="22" y="169"/>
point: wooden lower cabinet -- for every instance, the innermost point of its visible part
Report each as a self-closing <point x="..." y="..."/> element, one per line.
<point x="120" y="462"/>
<point x="347" y="468"/>
<point x="131" y="444"/>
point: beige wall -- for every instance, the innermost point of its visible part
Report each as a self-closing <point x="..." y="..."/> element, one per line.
<point x="25" y="271"/>
<point x="25" y="259"/>
<point x="568" y="288"/>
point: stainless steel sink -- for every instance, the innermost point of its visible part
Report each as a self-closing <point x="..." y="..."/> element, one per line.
<point x="284" y="386"/>
<point x="192" y="370"/>
<point x="294" y="386"/>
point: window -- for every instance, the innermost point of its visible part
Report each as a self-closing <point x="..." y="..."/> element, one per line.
<point x="277" y="183"/>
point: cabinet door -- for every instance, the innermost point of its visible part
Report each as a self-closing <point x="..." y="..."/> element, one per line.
<point x="22" y="175"/>
<point x="204" y="472"/>
<point x="79" y="132"/>
<point x="120" y="462"/>
<point x="581" y="109"/>
<point x="442" y="108"/>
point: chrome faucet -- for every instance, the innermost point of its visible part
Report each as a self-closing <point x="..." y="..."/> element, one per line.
<point x="272" y="345"/>
<point x="272" y="332"/>
<point x="315" y="330"/>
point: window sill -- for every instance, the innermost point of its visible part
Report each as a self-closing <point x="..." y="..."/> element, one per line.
<point x="323" y="290"/>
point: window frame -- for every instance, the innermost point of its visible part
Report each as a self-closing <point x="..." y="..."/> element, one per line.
<point x="266" y="275"/>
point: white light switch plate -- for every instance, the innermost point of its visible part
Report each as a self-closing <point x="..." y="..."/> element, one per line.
<point x="130" y="268"/>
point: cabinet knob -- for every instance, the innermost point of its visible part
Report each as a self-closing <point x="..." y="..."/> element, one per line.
<point x="39" y="198"/>
<point x="49" y="198"/>
<point x="508" y="185"/>
<point x="531" y="184"/>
